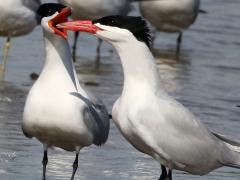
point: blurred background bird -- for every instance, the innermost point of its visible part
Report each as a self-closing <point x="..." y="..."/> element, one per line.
<point x="171" y="16"/>
<point x="18" y="17"/>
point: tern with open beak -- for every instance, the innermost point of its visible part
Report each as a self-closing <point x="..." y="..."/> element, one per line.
<point x="58" y="111"/>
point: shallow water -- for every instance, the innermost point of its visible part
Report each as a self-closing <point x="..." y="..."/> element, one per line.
<point x="204" y="77"/>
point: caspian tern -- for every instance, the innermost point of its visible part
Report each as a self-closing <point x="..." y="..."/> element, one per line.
<point x="151" y="120"/>
<point x="58" y="111"/>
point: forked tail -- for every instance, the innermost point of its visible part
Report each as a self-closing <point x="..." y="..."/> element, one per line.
<point x="234" y="145"/>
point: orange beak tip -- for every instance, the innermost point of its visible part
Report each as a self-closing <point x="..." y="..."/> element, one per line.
<point x="61" y="17"/>
<point x="84" y="26"/>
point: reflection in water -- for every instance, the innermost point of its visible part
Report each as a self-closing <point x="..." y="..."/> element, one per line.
<point x="172" y="66"/>
<point x="204" y="77"/>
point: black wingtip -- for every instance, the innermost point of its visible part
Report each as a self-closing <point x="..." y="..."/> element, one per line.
<point x="233" y="166"/>
<point x="202" y="11"/>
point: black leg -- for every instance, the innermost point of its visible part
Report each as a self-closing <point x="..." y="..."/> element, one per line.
<point x="98" y="58"/>
<point x="154" y="36"/>
<point x="164" y="174"/>
<point x="74" y="48"/>
<point x="75" y="166"/>
<point x="170" y="174"/>
<point x="179" y="41"/>
<point x="99" y="46"/>
<point x="44" y="162"/>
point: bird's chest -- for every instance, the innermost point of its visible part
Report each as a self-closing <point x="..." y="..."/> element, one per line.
<point x="46" y="102"/>
<point x="120" y="113"/>
<point x="125" y="119"/>
<point x="49" y="110"/>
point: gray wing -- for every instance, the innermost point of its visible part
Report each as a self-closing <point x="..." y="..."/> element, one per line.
<point x="96" y="118"/>
<point x="32" y="4"/>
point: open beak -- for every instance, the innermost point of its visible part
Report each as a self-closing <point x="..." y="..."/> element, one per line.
<point x="60" y="18"/>
<point x="84" y="26"/>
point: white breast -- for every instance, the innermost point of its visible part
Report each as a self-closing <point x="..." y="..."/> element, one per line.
<point x="170" y="15"/>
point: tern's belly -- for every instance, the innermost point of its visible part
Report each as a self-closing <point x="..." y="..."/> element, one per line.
<point x="59" y="124"/>
<point x="130" y="132"/>
<point x="168" y="17"/>
<point x="66" y="135"/>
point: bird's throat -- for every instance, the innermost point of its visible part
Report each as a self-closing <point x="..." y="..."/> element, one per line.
<point x="138" y="64"/>
<point x="58" y="60"/>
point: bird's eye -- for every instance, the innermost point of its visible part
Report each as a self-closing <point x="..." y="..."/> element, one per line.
<point x="113" y="22"/>
<point x="49" y="12"/>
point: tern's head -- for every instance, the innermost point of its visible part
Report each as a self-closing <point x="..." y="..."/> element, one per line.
<point x="113" y="28"/>
<point x="52" y="14"/>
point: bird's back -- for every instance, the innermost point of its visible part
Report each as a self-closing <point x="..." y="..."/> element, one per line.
<point x="94" y="9"/>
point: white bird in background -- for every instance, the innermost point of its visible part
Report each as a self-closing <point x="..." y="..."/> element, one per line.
<point x="18" y="17"/>
<point x="58" y="111"/>
<point x="95" y="9"/>
<point x="173" y="16"/>
<point x="151" y="120"/>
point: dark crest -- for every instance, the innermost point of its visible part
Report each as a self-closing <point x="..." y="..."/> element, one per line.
<point x="137" y="25"/>
<point x="49" y="9"/>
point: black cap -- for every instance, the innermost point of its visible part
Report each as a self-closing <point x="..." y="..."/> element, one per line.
<point x="137" y="25"/>
<point x="49" y="9"/>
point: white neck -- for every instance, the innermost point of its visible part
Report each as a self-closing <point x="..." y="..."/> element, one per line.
<point x="58" y="68"/>
<point x="139" y="66"/>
